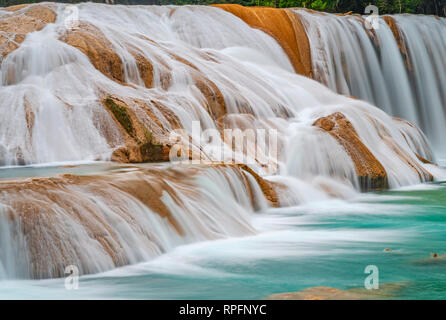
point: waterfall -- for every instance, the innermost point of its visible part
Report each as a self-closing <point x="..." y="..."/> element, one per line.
<point x="55" y="79"/>
<point x="101" y="222"/>
<point x="125" y="78"/>
<point x="404" y="79"/>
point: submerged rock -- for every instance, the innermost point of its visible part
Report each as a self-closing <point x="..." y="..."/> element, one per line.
<point x="434" y="259"/>
<point x="385" y="291"/>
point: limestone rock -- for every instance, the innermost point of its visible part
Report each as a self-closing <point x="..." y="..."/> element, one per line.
<point x="22" y="20"/>
<point x="282" y="25"/>
<point x="391" y="22"/>
<point x="96" y="46"/>
<point x="371" y="173"/>
<point x="145" y="142"/>
<point x="385" y="291"/>
<point x="267" y="187"/>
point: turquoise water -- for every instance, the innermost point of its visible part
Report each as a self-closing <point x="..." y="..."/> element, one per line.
<point x="326" y="243"/>
<point x="80" y="168"/>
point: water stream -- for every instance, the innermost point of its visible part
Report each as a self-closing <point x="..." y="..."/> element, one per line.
<point x="164" y="230"/>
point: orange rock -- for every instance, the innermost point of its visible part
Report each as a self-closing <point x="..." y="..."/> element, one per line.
<point x="371" y="173"/>
<point x="92" y="42"/>
<point x="88" y="39"/>
<point x="327" y="293"/>
<point x="284" y="26"/>
<point x="316" y="293"/>
<point x="267" y="187"/>
<point x="146" y="141"/>
<point x="391" y="22"/>
<point x="145" y="69"/>
<point x="16" y="7"/>
<point x="401" y="153"/>
<point x="22" y="20"/>
<point x="215" y="102"/>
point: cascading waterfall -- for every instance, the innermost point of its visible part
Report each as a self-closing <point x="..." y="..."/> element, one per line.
<point x="371" y="65"/>
<point x="54" y="85"/>
<point x="171" y="68"/>
<point x="100" y="222"/>
<point x="425" y="42"/>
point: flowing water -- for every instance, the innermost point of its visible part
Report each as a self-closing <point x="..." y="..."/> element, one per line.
<point x="186" y="231"/>
<point x="47" y="84"/>
<point x="322" y="243"/>
<point x="410" y="85"/>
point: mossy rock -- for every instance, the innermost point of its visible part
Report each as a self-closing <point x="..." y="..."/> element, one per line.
<point x="121" y="114"/>
<point x="150" y="149"/>
<point x="370" y="183"/>
<point x="152" y="152"/>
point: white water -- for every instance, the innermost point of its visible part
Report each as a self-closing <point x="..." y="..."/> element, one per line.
<point x="203" y="268"/>
<point x="98" y="226"/>
<point x="64" y="91"/>
<point x="369" y="65"/>
<point x="62" y="88"/>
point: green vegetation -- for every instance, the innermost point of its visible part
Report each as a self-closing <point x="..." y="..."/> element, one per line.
<point x="437" y="7"/>
<point x="149" y="149"/>
<point x="120" y="114"/>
